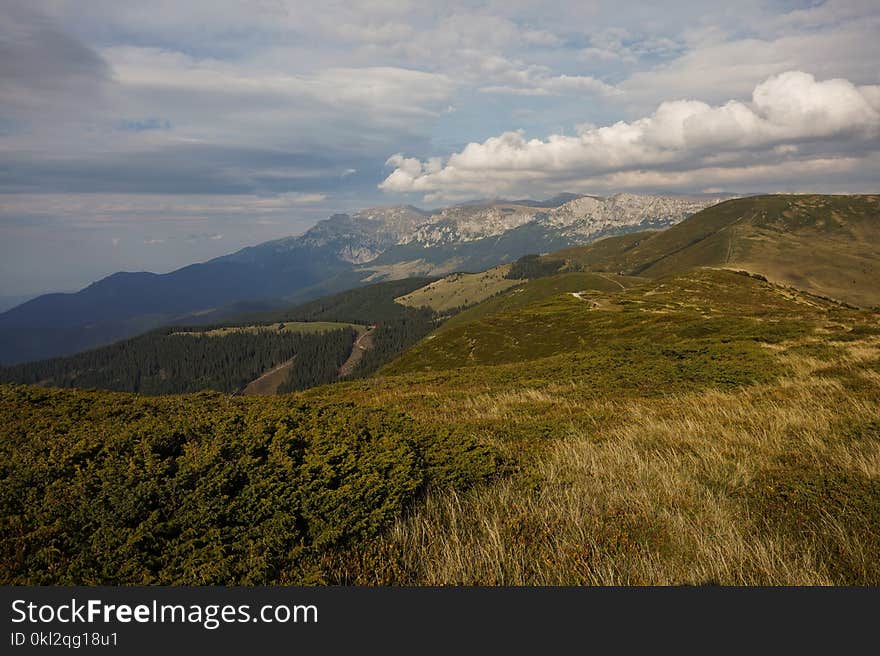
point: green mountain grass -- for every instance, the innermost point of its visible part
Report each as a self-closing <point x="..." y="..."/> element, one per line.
<point x="680" y="310"/>
<point x="822" y="244"/>
<point x="204" y="489"/>
<point x="540" y="288"/>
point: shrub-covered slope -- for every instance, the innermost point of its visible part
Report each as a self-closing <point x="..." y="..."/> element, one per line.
<point x="105" y="488"/>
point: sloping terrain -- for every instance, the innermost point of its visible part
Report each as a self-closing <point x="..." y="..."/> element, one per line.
<point x="827" y="245"/>
<point x="529" y="292"/>
<point x="268" y="383"/>
<point x="256" y="355"/>
<point x="709" y="427"/>
<point x="176" y="360"/>
<point x="127" y="304"/>
<point x="705" y="428"/>
<point x="459" y="290"/>
<point x="676" y="309"/>
<point x="362" y="344"/>
<point x="204" y="488"/>
<point x="364" y="305"/>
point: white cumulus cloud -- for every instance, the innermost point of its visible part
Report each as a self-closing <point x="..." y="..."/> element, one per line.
<point x="788" y="113"/>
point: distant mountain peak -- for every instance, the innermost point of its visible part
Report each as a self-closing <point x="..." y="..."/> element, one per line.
<point x="364" y="235"/>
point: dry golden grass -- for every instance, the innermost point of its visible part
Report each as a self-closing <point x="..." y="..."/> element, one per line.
<point x="704" y="487"/>
<point x="460" y="289"/>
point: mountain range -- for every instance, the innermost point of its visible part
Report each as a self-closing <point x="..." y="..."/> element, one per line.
<point x="338" y="253"/>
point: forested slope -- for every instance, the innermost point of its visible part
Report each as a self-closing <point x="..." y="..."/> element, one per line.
<point x="178" y="360"/>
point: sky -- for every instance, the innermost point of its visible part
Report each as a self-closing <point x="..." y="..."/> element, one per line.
<point x="150" y="135"/>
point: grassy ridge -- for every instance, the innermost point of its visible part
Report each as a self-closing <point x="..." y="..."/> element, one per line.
<point x="679" y="311"/>
<point x="535" y="290"/>
<point x="770" y="235"/>
<point x="364" y="305"/>
<point x="459" y="290"/>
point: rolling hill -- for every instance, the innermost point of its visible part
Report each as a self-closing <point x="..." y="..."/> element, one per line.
<point x="528" y="292"/>
<point x="549" y="321"/>
<point x="460" y="290"/>
<point x="827" y="245"/>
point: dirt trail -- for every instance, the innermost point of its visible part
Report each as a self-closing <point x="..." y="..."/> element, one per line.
<point x="616" y="282"/>
<point x="269" y="382"/>
<point x="598" y="303"/>
<point x="363" y="343"/>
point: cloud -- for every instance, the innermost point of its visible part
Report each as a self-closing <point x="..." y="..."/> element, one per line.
<point x="716" y="65"/>
<point x="214" y="236"/>
<point x="100" y="210"/>
<point x="381" y="95"/>
<point x="150" y="111"/>
<point x="45" y="70"/>
<point x="143" y="124"/>
<point x="512" y="77"/>
<point x="294" y="198"/>
<point x="546" y="85"/>
<point x="824" y="118"/>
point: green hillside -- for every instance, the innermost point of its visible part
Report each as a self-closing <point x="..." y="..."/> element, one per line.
<point x="459" y="290"/>
<point x="365" y="305"/>
<point x="540" y="288"/>
<point x="204" y="489"/>
<point x="706" y="427"/>
<point x="707" y="309"/>
<point x="822" y="244"/>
